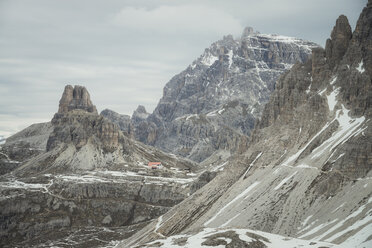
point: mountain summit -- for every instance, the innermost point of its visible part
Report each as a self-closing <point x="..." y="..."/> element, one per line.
<point x="211" y="107"/>
<point x="76" y="98"/>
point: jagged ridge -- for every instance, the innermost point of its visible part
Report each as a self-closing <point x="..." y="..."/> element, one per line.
<point x="211" y="107"/>
<point x="307" y="170"/>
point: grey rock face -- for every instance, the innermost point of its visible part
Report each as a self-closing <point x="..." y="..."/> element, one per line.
<point x="337" y="45"/>
<point x="86" y="176"/>
<point x="76" y="98"/>
<point x="145" y="131"/>
<point x="122" y="121"/>
<point x="307" y="168"/>
<point x="78" y="122"/>
<point x="24" y="145"/>
<point x="202" y="180"/>
<point x="213" y="104"/>
<point x="140" y="114"/>
<point x="32" y="214"/>
<point x="78" y="127"/>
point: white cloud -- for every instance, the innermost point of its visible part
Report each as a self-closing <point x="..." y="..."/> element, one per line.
<point x="179" y="19"/>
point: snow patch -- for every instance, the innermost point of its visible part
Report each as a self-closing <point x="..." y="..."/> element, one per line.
<point x="212" y="113"/>
<point x="359" y="223"/>
<point x="349" y="228"/>
<point x="231" y="54"/>
<point x="340" y="156"/>
<point x="360" y="67"/>
<point x="331" y="98"/>
<point x="190" y="116"/>
<point x="238" y="197"/>
<point x="305" y="166"/>
<point x="306" y="220"/>
<point x="219" y="167"/>
<point x="158" y="225"/>
<point x="208" y="59"/>
<point x="333" y="81"/>
<point x="348" y="127"/>
<point x="83" y="179"/>
<point x="317" y="228"/>
<point x="359" y="238"/>
<point x="273" y="240"/>
<point x="284" y="181"/>
<point x="228" y="222"/>
<point x="343" y="204"/>
<point x="250" y="165"/>
<point x="322" y="91"/>
<point x="221" y="111"/>
<point x="308" y="88"/>
<point x="283" y="153"/>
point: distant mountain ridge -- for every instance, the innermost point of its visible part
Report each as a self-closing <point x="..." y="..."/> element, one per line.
<point x="211" y="106"/>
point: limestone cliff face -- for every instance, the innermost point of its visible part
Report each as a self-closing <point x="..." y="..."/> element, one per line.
<point x="213" y="104"/>
<point x="76" y="98"/>
<point x="122" y="121"/>
<point x="337" y="45"/>
<point x="307" y="170"/>
<point x="79" y="127"/>
<point x="145" y="131"/>
<point x="78" y="122"/>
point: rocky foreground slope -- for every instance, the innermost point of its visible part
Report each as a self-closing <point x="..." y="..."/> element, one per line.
<point x="307" y="171"/>
<point x="79" y="181"/>
<point x="211" y="106"/>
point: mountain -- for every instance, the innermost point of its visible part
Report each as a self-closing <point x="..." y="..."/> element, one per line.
<point x="79" y="181"/>
<point x="23" y="145"/>
<point x="306" y="172"/>
<point x="211" y="106"/>
<point x="122" y="121"/>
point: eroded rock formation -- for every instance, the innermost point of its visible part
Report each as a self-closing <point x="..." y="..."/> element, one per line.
<point x="76" y="97"/>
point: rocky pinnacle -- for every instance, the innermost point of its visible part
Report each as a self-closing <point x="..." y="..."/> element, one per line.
<point x="337" y="45"/>
<point x="76" y="98"/>
<point x="81" y="125"/>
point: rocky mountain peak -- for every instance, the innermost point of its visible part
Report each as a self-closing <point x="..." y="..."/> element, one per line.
<point x="342" y="28"/>
<point x="141" y="109"/>
<point x="248" y="31"/>
<point x="76" y="97"/>
<point x="140" y="114"/>
<point x="212" y="105"/>
<point x="362" y="36"/>
<point x="78" y="122"/>
<point x="337" y="45"/>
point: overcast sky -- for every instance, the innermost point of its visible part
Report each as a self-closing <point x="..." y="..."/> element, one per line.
<point x="125" y="51"/>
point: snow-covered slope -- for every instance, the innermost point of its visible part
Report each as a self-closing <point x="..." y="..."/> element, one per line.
<point x="242" y="238"/>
